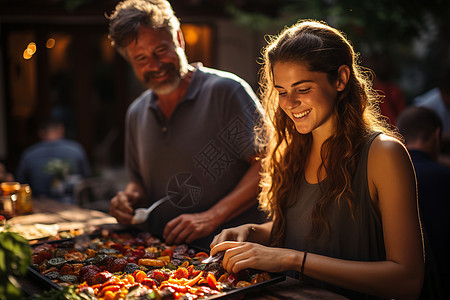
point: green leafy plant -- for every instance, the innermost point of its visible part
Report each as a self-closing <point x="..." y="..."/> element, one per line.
<point x="15" y="256"/>
<point x="59" y="168"/>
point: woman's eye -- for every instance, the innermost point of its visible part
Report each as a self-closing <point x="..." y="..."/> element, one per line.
<point x="281" y="94"/>
<point x="303" y="90"/>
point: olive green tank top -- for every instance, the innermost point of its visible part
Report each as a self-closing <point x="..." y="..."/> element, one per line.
<point x="359" y="238"/>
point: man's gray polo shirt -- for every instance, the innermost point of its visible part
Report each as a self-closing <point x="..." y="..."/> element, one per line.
<point x="200" y="153"/>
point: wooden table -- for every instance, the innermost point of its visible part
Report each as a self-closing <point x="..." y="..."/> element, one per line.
<point x="68" y="217"/>
<point x="290" y="289"/>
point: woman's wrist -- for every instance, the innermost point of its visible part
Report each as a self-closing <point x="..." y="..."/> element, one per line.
<point x="258" y="233"/>
<point x="293" y="260"/>
<point x="302" y="268"/>
<point x="252" y="232"/>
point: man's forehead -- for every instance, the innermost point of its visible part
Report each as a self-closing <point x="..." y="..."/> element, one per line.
<point x="159" y="33"/>
<point x="149" y="37"/>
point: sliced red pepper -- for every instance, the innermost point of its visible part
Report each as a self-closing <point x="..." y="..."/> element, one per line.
<point x="232" y="279"/>
<point x="212" y="282"/>
<point x="202" y="254"/>
<point x="189" y="269"/>
<point x="167" y="252"/>
<point x="139" y="275"/>
<point x="195" y="272"/>
<point x="112" y="288"/>
<point x="148" y="282"/>
<point x="95" y="286"/>
<point x="113" y="281"/>
<point x="181" y="273"/>
<point x="194" y="280"/>
<point x="157" y="275"/>
<point x="176" y="287"/>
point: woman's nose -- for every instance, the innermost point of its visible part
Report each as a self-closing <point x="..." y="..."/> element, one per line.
<point x="292" y="101"/>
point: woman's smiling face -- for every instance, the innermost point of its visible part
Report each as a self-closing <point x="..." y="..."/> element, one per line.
<point x="306" y="97"/>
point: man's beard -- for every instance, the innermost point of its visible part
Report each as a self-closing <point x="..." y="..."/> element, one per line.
<point x="167" y="86"/>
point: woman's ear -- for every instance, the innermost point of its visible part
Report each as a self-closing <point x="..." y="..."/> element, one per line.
<point x="343" y="76"/>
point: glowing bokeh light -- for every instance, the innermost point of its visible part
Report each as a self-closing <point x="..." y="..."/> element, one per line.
<point x="50" y="43"/>
<point x="31" y="48"/>
<point x="26" y="54"/>
<point x="190" y="34"/>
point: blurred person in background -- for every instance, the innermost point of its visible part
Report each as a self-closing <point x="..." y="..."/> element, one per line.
<point x="189" y="136"/>
<point x="392" y="97"/>
<point x="53" y="166"/>
<point x="438" y="99"/>
<point x="422" y="130"/>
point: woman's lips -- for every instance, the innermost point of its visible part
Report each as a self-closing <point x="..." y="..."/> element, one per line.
<point x="303" y="113"/>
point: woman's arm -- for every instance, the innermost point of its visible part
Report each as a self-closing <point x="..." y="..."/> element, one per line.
<point x="392" y="185"/>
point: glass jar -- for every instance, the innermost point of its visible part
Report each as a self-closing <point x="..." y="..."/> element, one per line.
<point x="7" y="206"/>
<point x="20" y="195"/>
<point x="24" y="203"/>
<point x="10" y="188"/>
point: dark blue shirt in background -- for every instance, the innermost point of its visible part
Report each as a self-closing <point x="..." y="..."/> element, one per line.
<point x="433" y="183"/>
<point x="42" y="162"/>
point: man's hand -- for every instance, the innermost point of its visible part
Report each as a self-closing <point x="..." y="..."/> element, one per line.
<point x="123" y="204"/>
<point x="189" y="227"/>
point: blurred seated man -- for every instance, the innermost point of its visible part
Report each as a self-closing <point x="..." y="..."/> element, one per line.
<point x="422" y="129"/>
<point x="54" y="165"/>
<point x="438" y="99"/>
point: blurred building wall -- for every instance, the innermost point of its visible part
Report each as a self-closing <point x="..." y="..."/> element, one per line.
<point x="3" y="151"/>
<point x="229" y="47"/>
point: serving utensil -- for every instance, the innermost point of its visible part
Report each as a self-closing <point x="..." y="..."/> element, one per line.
<point x="215" y="258"/>
<point x="141" y="214"/>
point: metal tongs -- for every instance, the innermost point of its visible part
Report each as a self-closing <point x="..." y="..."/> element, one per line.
<point x="215" y="258"/>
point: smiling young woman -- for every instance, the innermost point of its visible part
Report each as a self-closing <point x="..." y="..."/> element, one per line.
<point x="337" y="182"/>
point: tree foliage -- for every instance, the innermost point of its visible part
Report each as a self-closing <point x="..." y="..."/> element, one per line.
<point x="376" y="27"/>
<point x="380" y="21"/>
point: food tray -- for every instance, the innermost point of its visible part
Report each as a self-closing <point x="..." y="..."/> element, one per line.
<point x="274" y="277"/>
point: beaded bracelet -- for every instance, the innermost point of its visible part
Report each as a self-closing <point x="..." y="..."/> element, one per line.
<point x="302" y="268"/>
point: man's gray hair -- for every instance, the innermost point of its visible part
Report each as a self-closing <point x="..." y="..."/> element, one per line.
<point x="128" y="15"/>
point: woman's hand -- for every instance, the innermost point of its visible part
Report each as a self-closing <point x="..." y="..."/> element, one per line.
<point x="238" y="234"/>
<point x="258" y="233"/>
<point x="242" y="255"/>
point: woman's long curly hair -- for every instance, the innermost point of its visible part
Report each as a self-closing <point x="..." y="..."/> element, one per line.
<point x="320" y="48"/>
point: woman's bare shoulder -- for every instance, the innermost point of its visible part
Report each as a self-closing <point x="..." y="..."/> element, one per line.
<point x="387" y="145"/>
<point x="388" y="157"/>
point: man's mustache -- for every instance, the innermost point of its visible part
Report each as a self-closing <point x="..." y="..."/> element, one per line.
<point x="163" y="69"/>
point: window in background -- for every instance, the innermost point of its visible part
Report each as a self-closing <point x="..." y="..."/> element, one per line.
<point x="199" y="43"/>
